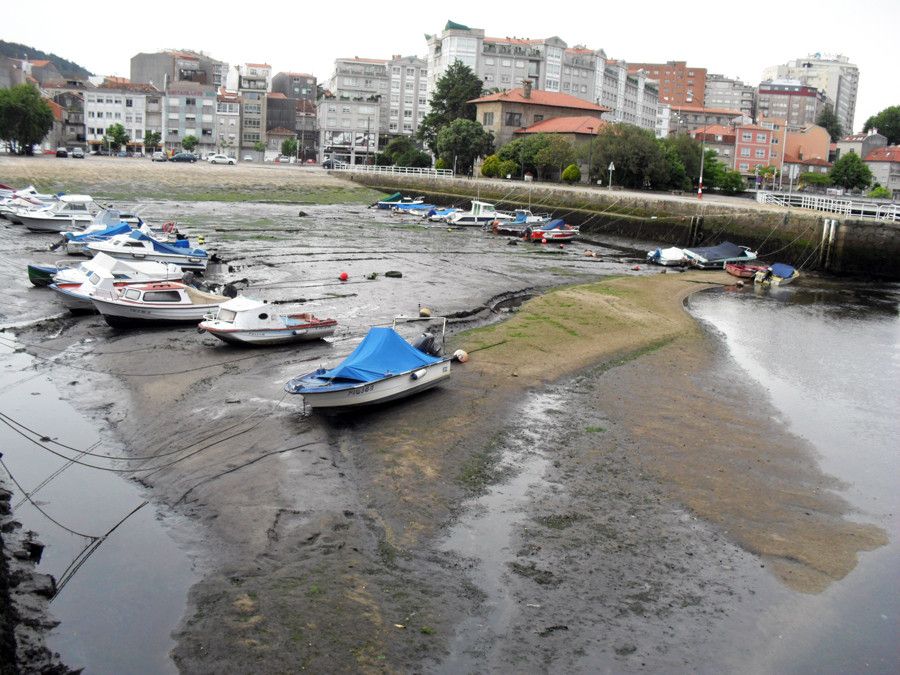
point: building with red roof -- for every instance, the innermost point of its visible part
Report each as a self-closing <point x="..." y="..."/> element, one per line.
<point x="884" y="163"/>
<point x="583" y="127"/>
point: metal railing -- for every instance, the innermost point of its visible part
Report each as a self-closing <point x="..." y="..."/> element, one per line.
<point x="847" y="207"/>
<point x="410" y="170"/>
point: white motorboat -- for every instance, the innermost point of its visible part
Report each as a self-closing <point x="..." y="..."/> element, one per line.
<point x="71" y="212"/>
<point x="160" y="303"/>
<point x="479" y="214"/>
<point x="246" y="321"/>
<point x="75" y="286"/>
<point x="140" y="246"/>
<point x="106" y="224"/>
<point x="383" y="367"/>
<point x="17" y="202"/>
<point x="667" y="256"/>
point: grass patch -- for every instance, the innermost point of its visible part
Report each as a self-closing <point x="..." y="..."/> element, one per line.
<point x="480" y="469"/>
<point x="559" y="521"/>
<point x="595" y="430"/>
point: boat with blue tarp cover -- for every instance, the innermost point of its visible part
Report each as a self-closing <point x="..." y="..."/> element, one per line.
<point x="397" y="199"/>
<point x="411" y="207"/>
<point x="778" y="274"/>
<point x="715" y="257"/>
<point x="383" y="367"/>
<point x="140" y="246"/>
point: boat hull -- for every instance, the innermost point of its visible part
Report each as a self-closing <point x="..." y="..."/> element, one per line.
<point x="43" y="224"/>
<point x="127" y="315"/>
<point x="184" y="262"/>
<point x="268" y="336"/>
<point x="744" y="271"/>
<point x="360" y="395"/>
<point x="41" y="275"/>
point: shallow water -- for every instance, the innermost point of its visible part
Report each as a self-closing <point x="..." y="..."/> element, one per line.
<point x="827" y="355"/>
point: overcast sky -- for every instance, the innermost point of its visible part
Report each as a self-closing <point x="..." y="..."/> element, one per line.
<point x="739" y="39"/>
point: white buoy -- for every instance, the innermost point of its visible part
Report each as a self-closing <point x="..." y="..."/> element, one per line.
<point x="460" y="355"/>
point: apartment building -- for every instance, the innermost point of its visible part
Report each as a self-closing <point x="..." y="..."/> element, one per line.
<point x="296" y="86"/>
<point x="190" y="110"/>
<point x="361" y="80"/>
<point x="752" y="148"/>
<point x="719" y="138"/>
<point x="678" y="83"/>
<point x="549" y="64"/>
<point x="178" y="65"/>
<point x="72" y="132"/>
<point x="790" y="100"/>
<point x="725" y="92"/>
<point x="137" y="107"/>
<point x="228" y="122"/>
<point x="253" y="83"/>
<point x="408" y="98"/>
<point x="862" y="144"/>
<point x="688" y="118"/>
<point x="832" y="74"/>
<point x="348" y="129"/>
<point x="884" y="164"/>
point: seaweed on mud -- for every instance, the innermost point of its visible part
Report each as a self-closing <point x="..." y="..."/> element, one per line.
<point x="531" y="571"/>
<point x="559" y="521"/>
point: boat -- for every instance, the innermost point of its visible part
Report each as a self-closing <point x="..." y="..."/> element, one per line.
<point x="383" y="367"/>
<point x="667" y="256"/>
<point x="138" y="245"/>
<point x="106" y="224"/>
<point x="555" y="230"/>
<point x="246" y="321"/>
<point x="715" y="257"/>
<point x="437" y="215"/>
<point x="412" y="207"/>
<point x="24" y="201"/>
<point x="397" y="199"/>
<point x="155" y="304"/>
<point x="778" y="274"/>
<point x="744" y="270"/>
<point x="75" y="286"/>
<point x="479" y="214"/>
<point x="522" y="219"/>
<point x="69" y="213"/>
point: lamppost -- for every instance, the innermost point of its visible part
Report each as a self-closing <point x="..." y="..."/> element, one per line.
<point x="590" y="152"/>
<point x="702" y="157"/>
<point x="611" y="168"/>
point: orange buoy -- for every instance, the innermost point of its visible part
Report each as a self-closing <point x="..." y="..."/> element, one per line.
<point x="343" y="276"/>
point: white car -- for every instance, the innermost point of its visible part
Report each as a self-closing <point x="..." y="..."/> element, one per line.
<point x="220" y="159"/>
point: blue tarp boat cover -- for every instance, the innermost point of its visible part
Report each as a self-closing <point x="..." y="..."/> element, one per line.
<point x="382" y="352"/>
<point x="782" y="270"/>
<point x="176" y="248"/>
<point x="724" y="251"/>
<point x="557" y="224"/>
<point x="120" y="228"/>
<point x="413" y="207"/>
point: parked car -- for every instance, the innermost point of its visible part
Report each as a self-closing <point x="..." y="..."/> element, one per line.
<point x="283" y="159"/>
<point x="220" y="159"/>
<point x="77" y="153"/>
<point x="158" y="156"/>
<point x="62" y="152"/>
<point x="183" y="157"/>
<point x="248" y="158"/>
<point x="332" y="164"/>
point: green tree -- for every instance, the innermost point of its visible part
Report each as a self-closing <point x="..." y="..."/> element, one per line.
<point x="289" y="147"/>
<point x="814" y="179"/>
<point x="829" y="120"/>
<point x="523" y="151"/>
<point x="687" y="150"/>
<point x="25" y="118"/>
<point x="639" y="160"/>
<point x="190" y="142"/>
<point x="888" y="124"/>
<point x="880" y="192"/>
<point x="461" y="142"/>
<point x="440" y="164"/>
<point x="572" y="174"/>
<point x="850" y="172"/>
<point x="491" y="166"/>
<point x="152" y="139"/>
<point x="507" y="168"/>
<point x="403" y="151"/>
<point x="450" y="101"/>
<point x="732" y="183"/>
<point x="557" y="154"/>
<point x="116" y="137"/>
<point x="259" y="146"/>
<point x="383" y="159"/>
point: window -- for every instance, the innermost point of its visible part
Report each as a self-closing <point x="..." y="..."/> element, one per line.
<point x="410" y="72"/>
<point x="760" y="138"/>
<point x="129" y="103"/>
<point x="408" y="100"/>
<point x="745" y="152"/>
<point x="423" y="101"/>
<point x="422" y="85"/>
<point x="408" y="85"/>
<point x="489" y="62"/>
<point x="513" y="119"/>
<point x="538" y="118"/>
<point x="746" y="136"/>
<point x="395" y="71"/>
<point x="488" y="77"/>
<point x="504" y="78"/>
<point x="407" y="126"/>
<point x="162" y="296"/>
<point x="506" y="63"/>
<point x="407" y="114"/>
<point x="395" y="112"/>
<point x="745" y="167"/>
<point x="760" y="154"/>
<point x="395" y="98"/>
<point x="393" y="126"/>
<point x="487" y="119"/>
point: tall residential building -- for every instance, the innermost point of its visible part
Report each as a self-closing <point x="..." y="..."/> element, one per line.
<point x="408" y="95"/>
<point x="137" y="107"/>
<point x="296" y="86"/>
<point x="688" y="118"/>
<point x="228" y="122"/>
<point x="725" y="92"/>
<point x="790" y="100"/>
<point x="831" y="73"/>
<point x="190" y="110"/>
<point x="177" y="65"/>
<point x="253" y="83"/>
<point x="679" y="84"/>
<point x="548" y="64"/>
<point x="348" y="129"/>
<point x="361" y="80"/>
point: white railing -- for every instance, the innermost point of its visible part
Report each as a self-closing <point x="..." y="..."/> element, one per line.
<point x="847" y="207"/>
<point x="409" y="170"/>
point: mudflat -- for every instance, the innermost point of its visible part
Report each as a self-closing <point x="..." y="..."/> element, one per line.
<point x="575" y="498"/>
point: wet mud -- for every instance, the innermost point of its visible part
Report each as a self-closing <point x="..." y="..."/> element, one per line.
<point x="572" y="500"/>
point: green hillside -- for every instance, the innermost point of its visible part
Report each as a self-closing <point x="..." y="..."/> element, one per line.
<point x="64" y="66"/>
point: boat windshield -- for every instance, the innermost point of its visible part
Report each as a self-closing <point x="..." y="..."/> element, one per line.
<point x="94" y="278"/>
<point x="226" y="315"/>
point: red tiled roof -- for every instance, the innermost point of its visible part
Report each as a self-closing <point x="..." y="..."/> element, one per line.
<point x="713" y="130"/>
<point x="809" y="161"/>
<point x="579" y="50"/>
<point x="853" y="138"/>
<point x="276" y="94"/>
<point x="708" y="111"/>
<point x="40" y="63"/>
<point x="541" y="97"/>
<point x="889" y="154"/>
<point x="584" y="124"/>
<point x="56" y="108"/>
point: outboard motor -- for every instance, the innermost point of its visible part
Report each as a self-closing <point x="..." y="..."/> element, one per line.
<point x="426" y="343"/>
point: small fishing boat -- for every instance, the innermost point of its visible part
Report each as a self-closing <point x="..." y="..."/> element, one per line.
<point x="245" y="321"/>
<point x="397" y="199"/>
<point x="556" y="230"/>
<point x="744" y="270"/>
<point x="139" y="245"/>
<point x="715" y="257"/>
<point x="155" y="304"/>
<point x="383" y="367"/>
<point x="778" y="274"/>
<point x="70" y="272"/>
<point x="69" y="213"/>
<point x="16" y="202"/>
<point x="417" y="207"/>
<point x="437" y="215"/>
<point x="667" y="256"/>
<point x="106" y="224"/>
<point x="479" y="214"/>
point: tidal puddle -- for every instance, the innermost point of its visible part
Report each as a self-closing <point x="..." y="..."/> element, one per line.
<point x="485" y="535"/>
<point x="120" y="606"/>
<point x="827" y="355"/>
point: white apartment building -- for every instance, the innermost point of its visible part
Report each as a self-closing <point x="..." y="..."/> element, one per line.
<point x="228" y="123"/>
<point x="831" y="73"/>
<point x="190" y="110"/>
<point x="408" y="97"/>
<point x="348" y="130"/>
<point x="550" y="65"/>
<point x="137" y="107"/>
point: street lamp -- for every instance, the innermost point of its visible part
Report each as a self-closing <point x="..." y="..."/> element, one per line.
<point x="611" y="168"/>
<point x="590" y="152"/>
<point x="702" y="157"/>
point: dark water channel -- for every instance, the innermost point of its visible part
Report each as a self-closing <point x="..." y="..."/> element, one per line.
<point x="827" y="354"/>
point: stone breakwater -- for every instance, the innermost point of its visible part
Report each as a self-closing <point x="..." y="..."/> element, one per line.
<point x="800" y="237"/>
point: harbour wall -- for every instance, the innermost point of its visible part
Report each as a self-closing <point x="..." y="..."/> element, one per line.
<point x="806" y="239"/>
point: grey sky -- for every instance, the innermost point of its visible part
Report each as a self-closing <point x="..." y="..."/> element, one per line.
<point x="307" y="36"/>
